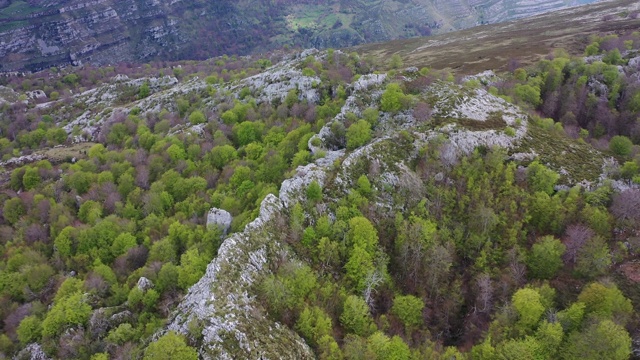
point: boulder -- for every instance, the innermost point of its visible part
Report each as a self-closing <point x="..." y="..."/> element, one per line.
<point x="220" y="218"/>
<point x="144" y="284"/>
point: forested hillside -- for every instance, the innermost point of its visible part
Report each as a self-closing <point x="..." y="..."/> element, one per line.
<point x="376" y="213"/>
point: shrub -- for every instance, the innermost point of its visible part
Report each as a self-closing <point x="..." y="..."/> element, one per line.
<point x="620" y="145"/>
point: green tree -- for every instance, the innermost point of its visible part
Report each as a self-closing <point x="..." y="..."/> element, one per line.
<point x="31" y="178"/>
<point x="29" y="330"/>
<point x="620" y="145"/>
<point x="359" y="266"/>
<point x="358" y="134"/>
<point x="545" y="258"/>
<point x="602" y="340"/>
<point x="314" y="324"/>
<point x="71" y="310"/>
<point x="197" y="117"/>
<point x="540" y="178"/>
<point x="247" y="132"/>
<point x="392" y="98"/>
<point x="144" y="91"/>
<point x="606" y="301"/>
<point x="528" y="93"/>
<point x="192" y="267"/>
<point x="355" y="316"/>
<point x="408" y="309"/>
<point x="363" y="234"/>
<point x="549" y="336"/>
<point x="170" y="347"/>
<point x="314" y="192"/>
<point x="222" y="155"/>
<point x="594" y="258"/>
<point x="13" y="210"/>
<point x="122" y="244"/>
<point x="529" y="307"/>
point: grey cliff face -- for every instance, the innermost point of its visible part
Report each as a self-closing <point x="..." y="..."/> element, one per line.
<point x="73" y="32"/>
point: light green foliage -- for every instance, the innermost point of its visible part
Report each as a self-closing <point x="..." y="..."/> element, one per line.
<point x="380" y="347"/>
<point x="605" y="301"/>
<point x="602" y="340"/>
<point x="529" y="307"/>
<point x="314" y="192"/>
<point x="122" y="244"/>
<point x="359" y="266"/>
<point x="634" y="103"/>
<point x="540" y="178"/>
<point x="364" y="186"/>
<point x="395" y="62"/>
<point x="592" y="49"/>
<point x="516" y="349"/>
<point x="358" y="134"/>
<point x="176" y="152"/>
<point x="314" y="324"/>
<point x="408" y="309"/>
<point x="247" y="132"/>
<point x="529" y="94"/>
<point x="620" y="145"/>
<point x="571" y="318"/>
<point x="355" y="316"/>
<point x="613" y="57"/>
<point x="222" y="155"/>
<point x="167" y="277"/>
<point x="392" y="98"/>
<point x="371" y="115"/>
<point x="13" y="209"/>
<point x="192" y="267"/>
<point x="80" y="181"/>
<point x="144" y="91"/>
<point x="122" y="334"/>
<point x="545" y="258"/>
<point x="71" y="310"/>
<point x="90" y="212"/>
<point x="229" y="117"/>
<point x="549" y="336"/>
<point x="197" y="117"/>
<point x="100" y="356"/>
<point x="301" y="158"/>
<point x="170" y="347"/>
<point x="29" y="330"/>
<point x="31" y="178"/>
<point x="363" y="234"/>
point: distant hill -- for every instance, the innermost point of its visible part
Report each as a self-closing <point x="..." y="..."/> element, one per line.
<point x="38" y="34"/>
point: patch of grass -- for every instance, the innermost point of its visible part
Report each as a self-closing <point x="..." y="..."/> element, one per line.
<point x="18" y="9"/>
<point x="580" y="160"/>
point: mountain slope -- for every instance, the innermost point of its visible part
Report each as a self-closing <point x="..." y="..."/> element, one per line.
<point x="39" y="34"/>
<point x="492" y="47"/>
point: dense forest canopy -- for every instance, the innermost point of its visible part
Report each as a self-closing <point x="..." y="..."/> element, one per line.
<point x="474" y="255"/>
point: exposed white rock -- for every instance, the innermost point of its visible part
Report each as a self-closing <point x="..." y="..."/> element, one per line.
<point x="144" y="284"/>
<point x="32" y="351"/>
<point x="294" y="188"/>
<point x="21" y="160"/>
<point x="36" y="94"/>
<point x="235" y="327"/>
<point x="220" y="218"/>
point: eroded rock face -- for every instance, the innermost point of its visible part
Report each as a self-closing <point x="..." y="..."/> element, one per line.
<point x="144" y="284"/>
<point x="75" y="32"/>
<point x="234" y="325"/>
<point x="220" y="218"/>
<point x="32" y="352"/>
